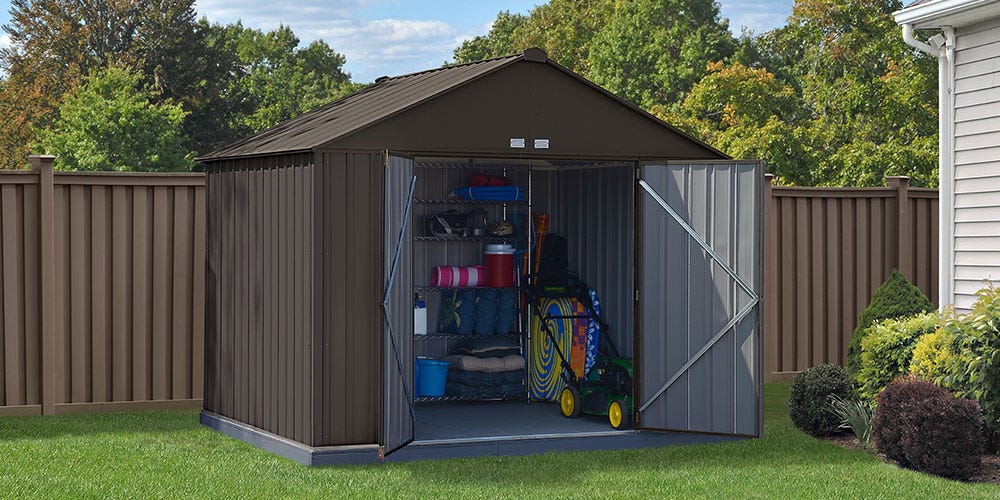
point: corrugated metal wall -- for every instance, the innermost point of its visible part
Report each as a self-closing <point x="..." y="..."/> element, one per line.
<point x="349" y="226"/>
<point x="595" y="215"/>
<point x="397" y="360"/>
<point x="260" y="332"/>
<point x="687" y="300"/>
<point x="110" y="299"/>
<point x="827" y="250"/>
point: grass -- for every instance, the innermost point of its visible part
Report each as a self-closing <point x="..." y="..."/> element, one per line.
<point x="168" y="454"/>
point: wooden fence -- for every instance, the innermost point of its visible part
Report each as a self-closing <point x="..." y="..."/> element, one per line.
<point x="826" y="251"/>
<point x="102" y="282"/>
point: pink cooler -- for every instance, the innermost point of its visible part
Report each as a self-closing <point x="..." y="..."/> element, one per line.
<point x="499" y="261"/>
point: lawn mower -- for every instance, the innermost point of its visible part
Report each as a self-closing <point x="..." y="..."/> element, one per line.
<point x="606" y="389"/>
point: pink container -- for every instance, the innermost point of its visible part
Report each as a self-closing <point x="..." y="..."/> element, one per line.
<point x="458" y="276"/>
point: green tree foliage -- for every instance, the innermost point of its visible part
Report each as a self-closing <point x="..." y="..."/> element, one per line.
<point x="113" y="122"/>
<point x="498" y="42"/>
<point x="282" y="79"/>
<point x="652" y="51"/>
<point x="868" y="101"/>
<point x="895" y="298"/>
<point x="975" y="371"/>
<point x="565" y="29"/>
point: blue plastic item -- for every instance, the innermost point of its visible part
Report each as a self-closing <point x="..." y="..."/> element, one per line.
<point x="433" y="376"/>
<point x="416" y="377"/>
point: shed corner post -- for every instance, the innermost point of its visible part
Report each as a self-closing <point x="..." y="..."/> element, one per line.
<point x="42" y="164"/>
<point x="904" y="229"/>
<point x="770" y="341"/>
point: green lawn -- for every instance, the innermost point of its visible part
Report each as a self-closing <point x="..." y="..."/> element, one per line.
<point x="168" y="454"/>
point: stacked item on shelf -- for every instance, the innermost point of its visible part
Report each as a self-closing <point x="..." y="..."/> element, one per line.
<point x="486" y="367"/>
<point x="479" y="311"/>
<point x="489" y="188"/>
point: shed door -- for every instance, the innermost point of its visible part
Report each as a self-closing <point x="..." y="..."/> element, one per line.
<point x="698" y="361"/>
<point x="397" y="307"/>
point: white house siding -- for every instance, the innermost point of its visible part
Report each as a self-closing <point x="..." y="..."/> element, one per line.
<point x="977" y="159"/>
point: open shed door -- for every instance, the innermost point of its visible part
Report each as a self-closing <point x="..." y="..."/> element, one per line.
<point x="397" y="307"/>
<point x="698" y="353"/>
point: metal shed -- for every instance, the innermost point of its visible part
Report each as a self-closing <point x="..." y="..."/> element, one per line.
<point x="313" y="258"/>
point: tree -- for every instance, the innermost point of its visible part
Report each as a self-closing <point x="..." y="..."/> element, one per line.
<point x="113" y="122"/>
<point x="283" y="80"/>
<point x="565" y="29"/>
<point x="868" y="100"/>
<point x="498" y="42"/>
<point x="747" y="113"/>
<point x="652" y="51"/>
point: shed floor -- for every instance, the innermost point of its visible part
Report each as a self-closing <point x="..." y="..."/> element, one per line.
<point x="491" y="419"/>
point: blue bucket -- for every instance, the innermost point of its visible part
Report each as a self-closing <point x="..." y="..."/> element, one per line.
<point x="433" y="375"/>
<point x="416" y="378"/>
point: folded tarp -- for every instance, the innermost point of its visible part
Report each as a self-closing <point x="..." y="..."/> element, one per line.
<point x="490" y="193"/>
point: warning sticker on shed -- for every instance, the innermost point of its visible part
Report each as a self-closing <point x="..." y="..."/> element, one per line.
<point x="516" y="142"/>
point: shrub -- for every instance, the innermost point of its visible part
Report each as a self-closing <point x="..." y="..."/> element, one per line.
<point x="892" y="411"/>
<point x="810" y="395"/>
<point x="975" y="371"/>
<point x="896" y="297"/>
<point x="887" y="349"/>
<point x="933" y="357"/>
<point x="944" y="437"/>
<point x="855" y="414"/>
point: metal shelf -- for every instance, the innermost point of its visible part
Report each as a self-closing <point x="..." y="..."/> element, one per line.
<point x="466" y="239"/>
<point x="466" y="165"/>
<point x="463" y="201"/>
<point x="426" y="288"/>
<point x="449" y="336"/>
<point x="446" y="399"/>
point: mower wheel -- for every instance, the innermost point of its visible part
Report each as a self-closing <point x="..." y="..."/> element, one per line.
<point x="618" y="414"/>
<point x="569" y="402"/>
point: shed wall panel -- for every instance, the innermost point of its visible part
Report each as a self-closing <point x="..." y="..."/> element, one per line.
<point x="349" y="243"/>
<point x="259" y="287"/>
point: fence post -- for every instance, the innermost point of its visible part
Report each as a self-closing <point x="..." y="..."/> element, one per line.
<point x="904" y="229"/>
<point x="46" y="283"/>
<point x="770" y="353"/>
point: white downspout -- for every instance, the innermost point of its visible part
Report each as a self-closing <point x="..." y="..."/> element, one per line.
<point x="945" y="55"/>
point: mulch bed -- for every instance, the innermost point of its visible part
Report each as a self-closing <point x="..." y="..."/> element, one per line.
<point x="989" y="472"/>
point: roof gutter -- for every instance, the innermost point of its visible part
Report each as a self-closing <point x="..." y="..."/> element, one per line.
<point x="942" y="47"/>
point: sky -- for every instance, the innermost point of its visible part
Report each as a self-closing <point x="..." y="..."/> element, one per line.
<point x="393" y="37"/>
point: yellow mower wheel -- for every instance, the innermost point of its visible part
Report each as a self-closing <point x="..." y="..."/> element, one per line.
<point x="569" y="402"/>
<point x="618" y="414"/>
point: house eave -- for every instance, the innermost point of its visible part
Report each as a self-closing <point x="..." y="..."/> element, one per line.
<point x="954" y="13"/>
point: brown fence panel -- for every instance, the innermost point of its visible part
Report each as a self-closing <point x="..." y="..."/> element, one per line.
<point x="827" y="250"/>
<point x="20" y="339"/>
<point x="102" y="280"/>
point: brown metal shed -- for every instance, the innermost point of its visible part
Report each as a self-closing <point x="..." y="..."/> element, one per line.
<point x="306" y="224"/>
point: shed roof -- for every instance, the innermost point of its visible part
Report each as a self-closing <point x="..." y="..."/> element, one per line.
<point x="388" y="97"/>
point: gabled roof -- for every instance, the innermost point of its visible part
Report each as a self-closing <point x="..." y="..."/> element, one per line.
<point x="388" y="97"/>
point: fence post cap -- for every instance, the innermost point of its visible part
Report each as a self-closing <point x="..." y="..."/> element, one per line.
<point x="39" y="162"/>
<point x="769" y="178"/>
<point x="897" y="180"/>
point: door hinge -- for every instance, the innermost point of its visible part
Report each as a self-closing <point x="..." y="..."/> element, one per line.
<point x="636" y="294"/>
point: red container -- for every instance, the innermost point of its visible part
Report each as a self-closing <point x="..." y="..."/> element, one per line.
<point x="499" y="260"/>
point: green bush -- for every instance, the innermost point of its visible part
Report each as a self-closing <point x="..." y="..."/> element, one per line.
<point x="975" y="371"/>
<point x="887" y="349"/>
<point x="933" y="356"/>
<point x="896" y="297"/>
<point x="810" y="397"/>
